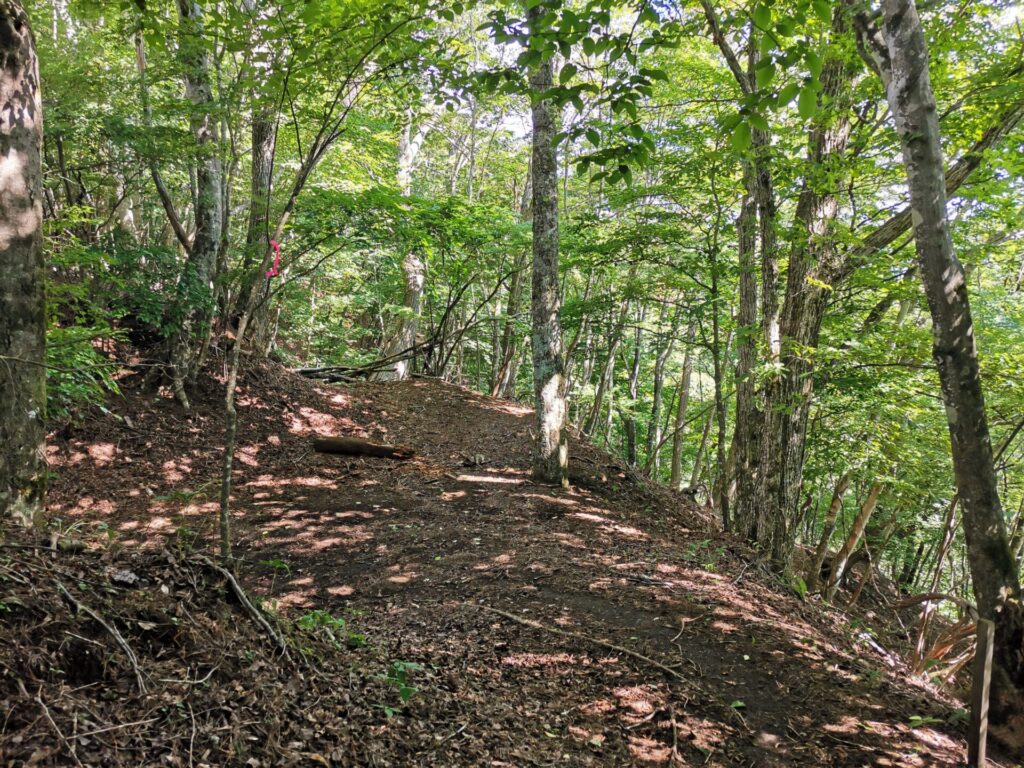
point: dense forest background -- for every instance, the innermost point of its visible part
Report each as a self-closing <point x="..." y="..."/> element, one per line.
<point x="387" y="144"/>
<point x="351" y="187"/>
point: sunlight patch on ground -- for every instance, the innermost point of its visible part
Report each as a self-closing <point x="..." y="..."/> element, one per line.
<point x="496" y="479"/>
<point x="102" y="453"/>
<point x="540" y="660"/>
<point x="312" y="422"/>
<point x="646" y="750"/>
<point x="550" y="499"/>
<point x="175" y="471"/>
<point x="570" y="540"/>
<point x="247" y="455"/>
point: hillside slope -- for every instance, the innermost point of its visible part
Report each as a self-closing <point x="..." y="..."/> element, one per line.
<point x="605" y="625"/>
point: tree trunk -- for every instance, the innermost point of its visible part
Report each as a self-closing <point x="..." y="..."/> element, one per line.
<point x="683" y="402"/>
<point x="608" y="372"/>
<point x="699" y="458"/>
<point x="747" y="432"/>
<point x="257" y="231"/>
<point x="551" y="454"/>
<point x="813" y="262"/>
<point x="993" y="570"/>
<point x="654" y="422"/>
<point x="629" y="423"/>
<point x="194" y="301"/>
<point x="852" y="540"/>
<point x="22" y="302"/>
<point x="718" y="362"/>
<point x="414" y="269"/>
<point x="814" y="572"/>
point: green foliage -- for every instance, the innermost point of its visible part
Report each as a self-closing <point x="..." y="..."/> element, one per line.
<point x="332" y="628"/>
<point x="398" y="676"/>
<point x="655" y="134"/>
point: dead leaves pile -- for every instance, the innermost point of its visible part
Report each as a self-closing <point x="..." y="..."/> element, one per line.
<point x="147" y="658"/>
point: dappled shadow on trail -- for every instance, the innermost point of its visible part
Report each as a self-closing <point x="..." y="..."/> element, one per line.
<point x="644" y="636"/>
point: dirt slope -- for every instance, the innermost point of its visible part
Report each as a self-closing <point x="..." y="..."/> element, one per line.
<point x="714" y="664"/>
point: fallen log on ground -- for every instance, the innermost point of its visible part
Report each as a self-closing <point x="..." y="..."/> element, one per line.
<point x="354" y="446"/>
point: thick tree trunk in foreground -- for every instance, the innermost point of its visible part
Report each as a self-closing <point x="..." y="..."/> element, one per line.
<point x="551" y="455"/>
<point x="22" y="306"/>
<point x="194" y="300"/>
<point x="904" y="66"/>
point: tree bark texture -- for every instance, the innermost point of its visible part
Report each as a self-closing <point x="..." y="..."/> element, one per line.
<point x="194" y="298"/>
<point x="551" y="454"/>
<point x="993" y="570"/>
<point x="22" y="301"/>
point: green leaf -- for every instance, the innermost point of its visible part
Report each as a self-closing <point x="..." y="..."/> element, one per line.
<point x="758" y="121"/>
<point x="822" y="9"/>
<point x="807" y="105"/>
<point x="764" y="74"/>
<point x="567" y="73"/>
<point x="762" y="15"/>
<point x="813" y="61"/>
<point x="741" y="137"/>
<point x="594" y="137"/>
<point x="788" y="93"/>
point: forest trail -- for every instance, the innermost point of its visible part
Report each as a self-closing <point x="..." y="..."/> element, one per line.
<point x="430" y="558"/>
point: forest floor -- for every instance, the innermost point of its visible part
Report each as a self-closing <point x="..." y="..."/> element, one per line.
<point x="607" y="625"/>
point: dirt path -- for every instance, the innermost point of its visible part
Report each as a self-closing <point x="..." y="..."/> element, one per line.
<point x="414" y="554"/>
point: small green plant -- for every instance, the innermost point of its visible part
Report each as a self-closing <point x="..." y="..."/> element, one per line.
<point x="332" y="627"/>
<point x="107" y="530"/>
<point x="800" y="587"/>
<point x="872" y="675"/>
<point x="917" y="721"/>
<point x="278" y="566"/>
<point x="398" y="676"/>
<point x="702" y="553"/>
<point x="185" y="495"/>
<point x="185" y="540"/>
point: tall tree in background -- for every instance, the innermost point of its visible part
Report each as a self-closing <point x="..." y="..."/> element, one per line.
<point x="551" y="459"/>
<point x="900" y="56"/>
<point x="22" y="306"/>
<point x="410" y="141"/>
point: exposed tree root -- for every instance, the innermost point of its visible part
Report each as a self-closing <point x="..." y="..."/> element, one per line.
<point x="118" y="637"/>
<point x="256" y="614"/>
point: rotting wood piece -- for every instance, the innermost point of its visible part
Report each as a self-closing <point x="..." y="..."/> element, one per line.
<point x="353" y="446"/>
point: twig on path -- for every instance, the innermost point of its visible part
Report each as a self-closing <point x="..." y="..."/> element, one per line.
<point x="118" y="637"/>
<point x="251" y="609"/>
<point x="452" y="735"/>
<point x="675" y="757"/>
<point x="60" y="735"/>
<point x="579" y="636"/>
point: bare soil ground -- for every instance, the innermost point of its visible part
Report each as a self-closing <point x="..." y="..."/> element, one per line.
<point x="608" y="625"/>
